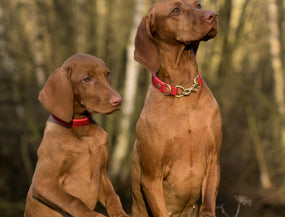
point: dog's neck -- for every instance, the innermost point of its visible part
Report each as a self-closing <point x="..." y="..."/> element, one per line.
<point x="178" y="65"/>
<point x="79" y="111"/>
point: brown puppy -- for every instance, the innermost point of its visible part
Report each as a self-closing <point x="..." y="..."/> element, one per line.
<point x="71" y="172"/>
<point x="176" y="155"/>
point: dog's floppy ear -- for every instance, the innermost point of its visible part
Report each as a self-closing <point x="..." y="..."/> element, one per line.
<point x="146" y="50"/>
<point x="57" y="95"/>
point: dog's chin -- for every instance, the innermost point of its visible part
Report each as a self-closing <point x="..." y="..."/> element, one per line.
<point x="208" y="37"/>
<point x="111" y="112"/>
<point x="190" y="43"/>
<point x="211" y="33"/>
<point x="104" y="111"/>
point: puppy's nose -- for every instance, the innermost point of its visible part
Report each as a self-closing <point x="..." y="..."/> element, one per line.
<point x="210" y="16"/>
<point x="116" y="100"/>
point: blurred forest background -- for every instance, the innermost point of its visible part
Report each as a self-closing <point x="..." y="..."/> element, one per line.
<point x="244" y="67"/>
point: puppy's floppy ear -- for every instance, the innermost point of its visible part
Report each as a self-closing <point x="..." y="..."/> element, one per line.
<point x="57" y="95"/>
<point x="146" y="50"/>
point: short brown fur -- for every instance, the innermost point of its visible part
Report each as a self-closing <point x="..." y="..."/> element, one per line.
<point x="71" y="172"/>
<point x="175" y="162"/>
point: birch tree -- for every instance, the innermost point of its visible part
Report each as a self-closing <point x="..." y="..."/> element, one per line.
<point x="101" y="23"/>
<point x="130" y="92"/>
<point x="259" y="153"/>
<point x="81" y="25"/>
<point x="276" y="61"/>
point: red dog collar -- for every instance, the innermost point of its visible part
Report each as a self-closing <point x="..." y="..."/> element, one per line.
<point x="168" y="89"/>
<point x="74" y="122"/>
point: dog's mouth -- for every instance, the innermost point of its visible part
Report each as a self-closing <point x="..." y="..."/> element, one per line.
<point x="209" y="34"/>
<point x="104" y="111"/>
<point x="116" y="109"/>
<point x="212" y="32"/>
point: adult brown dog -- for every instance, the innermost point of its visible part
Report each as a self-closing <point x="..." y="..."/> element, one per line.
<point x="176" y="155"/>
<point x="71" y="172"/>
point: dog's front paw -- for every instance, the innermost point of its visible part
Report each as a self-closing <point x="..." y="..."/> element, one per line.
<point x="205" y="212"/>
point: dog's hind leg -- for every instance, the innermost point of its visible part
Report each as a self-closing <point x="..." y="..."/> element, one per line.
<point x="139" y="208"/>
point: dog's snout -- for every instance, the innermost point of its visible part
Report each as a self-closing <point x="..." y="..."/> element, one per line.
<point x="116" y="100"/>
<point x="210" y="16"/>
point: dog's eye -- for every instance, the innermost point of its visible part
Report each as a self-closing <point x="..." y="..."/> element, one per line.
<point x="199" y="6"/>
<point x="176" y="11"/>
<point x="87" y="79"/>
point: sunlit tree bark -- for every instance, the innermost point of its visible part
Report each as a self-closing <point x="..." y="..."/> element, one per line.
<point x="81" y="25"/>
<point x="130" y="91"/>
<point x="276" y="61"/>
<point x="101" y="25"/>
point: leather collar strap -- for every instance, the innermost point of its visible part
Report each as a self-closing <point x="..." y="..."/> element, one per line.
<point x="74" y="122"/>
<point x="168" y="89"/>
<point x="165" y="88"/>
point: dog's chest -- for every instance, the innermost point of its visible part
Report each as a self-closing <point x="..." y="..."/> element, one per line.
<point x="179" y="130"/>
<point x="176" y="138"/>
<point x="180" y="138"/>
<point x="82" y="172"/>
<point x="176" y="124"/>
<point x="178" y="118"/>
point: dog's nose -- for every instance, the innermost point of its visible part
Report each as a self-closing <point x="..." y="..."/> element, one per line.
<point x="116" y="100"/>
<point x="210" y="16"/>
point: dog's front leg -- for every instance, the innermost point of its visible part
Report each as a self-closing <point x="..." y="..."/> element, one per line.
<point x="210" y="188"/>
<point x="51" y="194"/>
<point x="153" y="189"/>
<point x="47" y="188"/>
<point x="109" y="198"/>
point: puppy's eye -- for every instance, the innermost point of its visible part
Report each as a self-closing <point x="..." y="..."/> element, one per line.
<point x="176" y="11"/>
<point x="87" y="78"/>
<point x="199" y="6"/>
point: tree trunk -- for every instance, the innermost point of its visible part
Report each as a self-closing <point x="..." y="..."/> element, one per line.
<point x="130" y="91"/>
<point x="276" y="61"/>
<point x="226" y="58"/>
<point x="264" y="175"/>
<point x="101" y="23"/>
<point x="81" y="22"/>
